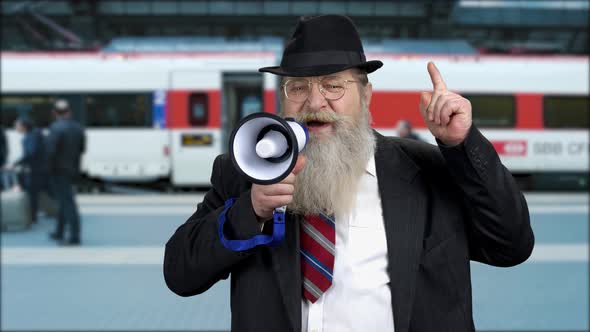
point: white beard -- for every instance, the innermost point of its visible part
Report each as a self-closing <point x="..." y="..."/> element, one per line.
<point x="329" y="181"/>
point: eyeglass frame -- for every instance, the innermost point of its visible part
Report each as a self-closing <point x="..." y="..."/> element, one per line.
<point x="310" y="84"/>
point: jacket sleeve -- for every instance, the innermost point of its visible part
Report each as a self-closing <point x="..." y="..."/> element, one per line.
<point x="499" y="230"/>
<point x="52" y="145"/>
<point x="82" y="141"/>
<point x="3" y="147"/>
<point x="195" y="259"/>
<point x="29" y="149"/>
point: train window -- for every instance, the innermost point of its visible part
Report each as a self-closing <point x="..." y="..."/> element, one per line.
<point x="37" y="107"/>
<point x="198" y="110"/>
<point x="566" y="112"/>
<point x="492" y="111"/>
<point x="118" y="110"/>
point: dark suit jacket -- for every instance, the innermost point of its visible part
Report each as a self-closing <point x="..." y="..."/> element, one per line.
<point x="442" y="207"/>
<point x="3" y="148"/>
<point x="34" y="155"/>
<point x="65" y="145"/>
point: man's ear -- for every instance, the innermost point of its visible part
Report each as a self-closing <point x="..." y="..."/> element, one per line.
<point x="368" y="94"/>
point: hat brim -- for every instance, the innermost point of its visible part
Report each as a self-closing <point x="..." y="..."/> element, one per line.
<point x="368" y="66"/>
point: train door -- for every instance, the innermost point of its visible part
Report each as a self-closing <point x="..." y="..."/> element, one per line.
<point x="242" y="95"/>
<point x="193" y="118"/>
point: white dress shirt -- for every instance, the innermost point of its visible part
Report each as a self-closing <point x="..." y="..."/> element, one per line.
<point x="359" y="298"/>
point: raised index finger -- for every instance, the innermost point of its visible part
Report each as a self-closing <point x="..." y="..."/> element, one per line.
<point x="435" y="77"/>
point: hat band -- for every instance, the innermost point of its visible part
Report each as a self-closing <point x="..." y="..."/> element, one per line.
<point x="312" y="59"/>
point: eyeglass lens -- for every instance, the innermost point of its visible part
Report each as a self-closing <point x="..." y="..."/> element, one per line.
<point x="299" y="89"/>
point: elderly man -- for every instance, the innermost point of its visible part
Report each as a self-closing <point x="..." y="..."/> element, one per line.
<point x="379" y="231"/>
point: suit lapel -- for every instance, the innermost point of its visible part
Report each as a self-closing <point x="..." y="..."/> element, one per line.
<point x="404" y="213"/>
<point x="287" y="267"/>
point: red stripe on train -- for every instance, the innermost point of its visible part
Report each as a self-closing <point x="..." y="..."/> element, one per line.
<point x="510" y="147"/>
<point x="214" y="109"/>
<point x="177" y="109"/>
<point x="387" y="108"/>
<point x="270" y="101"/>
<point x="529" y="111"/>
<point x="177" y="115"/>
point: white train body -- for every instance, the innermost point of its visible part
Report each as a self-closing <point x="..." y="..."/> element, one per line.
<point x="156" y="116"/>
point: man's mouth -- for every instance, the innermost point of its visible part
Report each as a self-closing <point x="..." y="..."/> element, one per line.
<point x="316" y="124"/>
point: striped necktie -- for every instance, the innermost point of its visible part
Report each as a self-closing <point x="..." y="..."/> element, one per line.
<point x="318" y="238"/>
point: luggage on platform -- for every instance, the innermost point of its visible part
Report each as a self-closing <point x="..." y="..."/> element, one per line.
<point x="14" y="204"/>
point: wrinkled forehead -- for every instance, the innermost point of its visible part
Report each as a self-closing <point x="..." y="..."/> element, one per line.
<point x="345" y="74"/>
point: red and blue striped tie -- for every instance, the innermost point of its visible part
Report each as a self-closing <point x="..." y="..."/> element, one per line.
<point x="318" y="238"/>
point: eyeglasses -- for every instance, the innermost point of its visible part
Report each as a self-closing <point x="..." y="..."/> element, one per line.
<point x="299" y="89"/>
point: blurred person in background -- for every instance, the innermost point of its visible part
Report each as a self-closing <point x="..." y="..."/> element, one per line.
<point x="3" y="155"/>
<point x="404" y="130"/>
<point x="34" y="174"/>
<point x="65" y="145"/>
<point x="380" y="231"/>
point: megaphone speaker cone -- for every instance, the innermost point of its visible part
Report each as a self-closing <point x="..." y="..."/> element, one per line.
<point x="264" y="147"/>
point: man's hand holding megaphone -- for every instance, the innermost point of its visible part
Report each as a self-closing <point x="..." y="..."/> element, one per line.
<point x="265" y="149"/>
<point x="265" y="198"/>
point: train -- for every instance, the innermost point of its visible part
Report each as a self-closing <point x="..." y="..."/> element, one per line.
<point x="162" y="117"/>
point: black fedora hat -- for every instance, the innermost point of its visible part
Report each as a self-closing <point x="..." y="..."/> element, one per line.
<point x="323" y="45"/>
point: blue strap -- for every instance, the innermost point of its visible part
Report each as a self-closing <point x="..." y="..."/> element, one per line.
<point x="278" y="233"/>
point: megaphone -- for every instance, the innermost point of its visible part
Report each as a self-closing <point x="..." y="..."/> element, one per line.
<point x="264" y="147"/>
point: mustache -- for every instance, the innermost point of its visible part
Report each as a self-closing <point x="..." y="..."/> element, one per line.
<point x="327" y="116"/>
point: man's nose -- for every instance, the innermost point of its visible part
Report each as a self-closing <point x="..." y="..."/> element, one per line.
<point x="316" y="99"/>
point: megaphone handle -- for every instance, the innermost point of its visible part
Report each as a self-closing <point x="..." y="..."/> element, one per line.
<point x="280" y="209"/>
<point x="278" y="232"/>
<point x="278" y="227"/>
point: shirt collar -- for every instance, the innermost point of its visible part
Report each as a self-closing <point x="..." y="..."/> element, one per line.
<point x="370" y="168"/>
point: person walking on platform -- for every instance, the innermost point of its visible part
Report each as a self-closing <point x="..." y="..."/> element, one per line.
<point x="404" y="130"/>
<point x="3" y="155"/>
<point x="65" y="146"/>
<point x="34" y="163"/>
